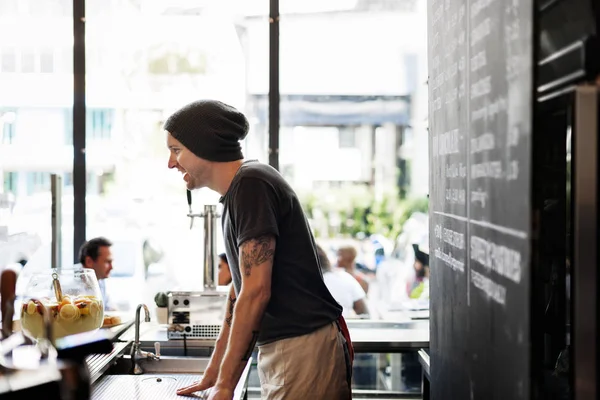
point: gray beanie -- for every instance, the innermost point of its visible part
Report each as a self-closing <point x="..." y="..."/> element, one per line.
<point x="210" y="129"/>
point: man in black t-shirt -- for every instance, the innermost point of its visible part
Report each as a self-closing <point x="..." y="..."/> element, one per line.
<point x="278" y="299"/>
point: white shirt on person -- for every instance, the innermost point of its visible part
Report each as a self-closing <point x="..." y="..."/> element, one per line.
<point x="344" y="288"/>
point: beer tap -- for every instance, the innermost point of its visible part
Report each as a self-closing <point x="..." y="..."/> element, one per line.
<point x="190" y="214"/>
<point x="210" y="216"/>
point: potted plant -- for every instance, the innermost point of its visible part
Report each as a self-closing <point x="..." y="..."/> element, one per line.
<point x="162" y="311"/>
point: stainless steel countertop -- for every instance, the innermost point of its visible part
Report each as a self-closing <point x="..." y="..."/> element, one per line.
<point x="153" y="386"/>
<point x="384" y="340"/>
<point x="367" y="336"/>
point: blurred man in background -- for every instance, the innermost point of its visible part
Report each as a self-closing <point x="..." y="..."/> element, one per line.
<point x="343" y="287"/>
<point x="96" y="254"/>
<point x="346" y="259"/>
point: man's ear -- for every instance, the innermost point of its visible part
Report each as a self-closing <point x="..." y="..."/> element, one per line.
<point x="88" y="262"/>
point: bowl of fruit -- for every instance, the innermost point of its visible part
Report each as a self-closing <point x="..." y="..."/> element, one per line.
<point x="71" y="298"/>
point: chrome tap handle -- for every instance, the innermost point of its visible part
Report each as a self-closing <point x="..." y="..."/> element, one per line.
<point x="151" y="356"/>
<point x="157" y="349"/>
<point x="146" y="355"/>
<point x="137" y="353"/>
<point x="189" y="201"/>
<point x="137" y="320"/>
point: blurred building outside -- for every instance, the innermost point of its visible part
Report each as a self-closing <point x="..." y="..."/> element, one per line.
<point x="353" y="137"/>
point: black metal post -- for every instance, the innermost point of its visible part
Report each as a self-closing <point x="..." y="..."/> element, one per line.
<point x="274" y="98"/>
<point x="585" y="242"/>
<point x="79" y="112"/>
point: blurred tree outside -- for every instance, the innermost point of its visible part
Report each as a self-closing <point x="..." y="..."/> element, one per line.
<point x="354" y="211"/>
<point x="164" y="60"/>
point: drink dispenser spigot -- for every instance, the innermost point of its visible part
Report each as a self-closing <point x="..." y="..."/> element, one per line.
<point x="189" y="200"/>
<point x="210" y="216"/>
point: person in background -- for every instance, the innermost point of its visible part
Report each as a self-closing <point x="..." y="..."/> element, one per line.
<point x="224" y="272"/>
<point x="278" y="299"/>
<point x="96" y="254"/>
<point x="419" y="287"/>
<point x="417" y="290"/>
<point x="347" y="291"/>
<point x="343" y="287"/>
<point x="346" y="259"/>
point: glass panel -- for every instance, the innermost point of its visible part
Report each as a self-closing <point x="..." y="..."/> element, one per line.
<point x="27" y="60"/>
<point x="8" y="118"/>
<point x="9" y="7"/>
<point x="354" y="142"/>
<point x="145" y="60"/>
<point x="46" y="60"/>
<point x="34" y="100"/>
<point x="398" y="374"/>
<point x="9" y="59"/>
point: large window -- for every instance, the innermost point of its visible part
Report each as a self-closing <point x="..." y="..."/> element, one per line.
<point x="352" y="134"/>
<point x="155" y="58"/>
<point x="352" y="86"/>
<point x="33" y="101"/>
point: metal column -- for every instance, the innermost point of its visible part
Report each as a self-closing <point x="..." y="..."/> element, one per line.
<point x="274" y="97"/>
<point x="56" y="190"/>
<point x="211" y="272"/>
<point x="79" y="112"/>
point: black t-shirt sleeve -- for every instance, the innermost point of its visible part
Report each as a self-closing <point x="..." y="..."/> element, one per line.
<point x="255" y="210"/>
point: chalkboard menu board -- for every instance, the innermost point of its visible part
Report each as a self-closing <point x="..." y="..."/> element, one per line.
<point x="480" y="108"/>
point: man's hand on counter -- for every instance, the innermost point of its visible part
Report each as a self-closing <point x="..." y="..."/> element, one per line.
<point x="211" y="373"/>
<point x="208" y="380"/>
<point x="220" y="393"/>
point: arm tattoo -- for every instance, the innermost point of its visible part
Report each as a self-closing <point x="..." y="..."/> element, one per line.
<point x="250" y="349"/>
<point x="256" y="252"/>
<point x="229" y="318"/>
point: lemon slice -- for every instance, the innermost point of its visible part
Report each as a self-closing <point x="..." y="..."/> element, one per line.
<point x="94" y="309"/>
<point x="31" y="308"/>
<point x="69" y="312"/>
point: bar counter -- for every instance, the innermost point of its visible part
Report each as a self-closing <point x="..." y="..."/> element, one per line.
<point x="367" y="337"/>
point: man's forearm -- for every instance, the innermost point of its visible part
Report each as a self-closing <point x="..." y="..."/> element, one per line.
<point x="248" y="315"/>
<point x="223" y="339"/>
